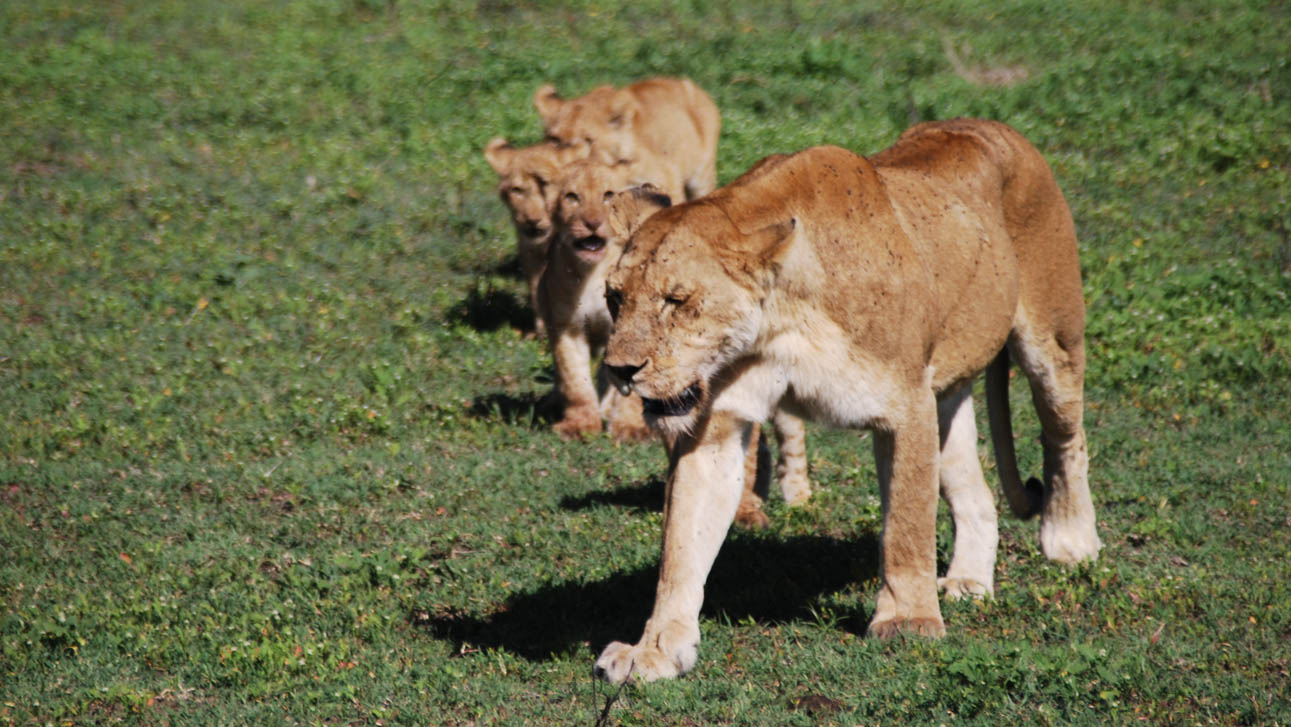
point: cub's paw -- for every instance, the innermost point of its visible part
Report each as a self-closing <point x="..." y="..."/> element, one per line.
<point x="1069" y="543"/>
<point x="620" y="662"/>
<point x="957" y="588"/>
<point x="751" y="518"/>
<point x="578" y="422"/>
<point x="891" y="628"/>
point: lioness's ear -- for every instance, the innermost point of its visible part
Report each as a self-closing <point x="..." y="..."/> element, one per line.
<point x="498" y="152"/>
<point x="631" y="207"/>
<point x="547" y="103"/>
<point x="772" y="242"/>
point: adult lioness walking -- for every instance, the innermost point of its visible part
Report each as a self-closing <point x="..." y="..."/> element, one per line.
<point x="865" y="293"/>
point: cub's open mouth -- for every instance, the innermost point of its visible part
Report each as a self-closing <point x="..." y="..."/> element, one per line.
<point x="675" y="406"/>
<point x="592" y="245"/>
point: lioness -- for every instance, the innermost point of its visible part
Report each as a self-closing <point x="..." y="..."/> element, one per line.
<point x="668" y="125"/>
<point x="865" y="293"/>
<point x="526" y="179"/>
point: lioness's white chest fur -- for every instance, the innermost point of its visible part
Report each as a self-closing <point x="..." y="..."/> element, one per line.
<point x="806" y="365"/>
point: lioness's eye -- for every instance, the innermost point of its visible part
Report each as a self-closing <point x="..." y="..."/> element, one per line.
<point x="613" y="299"/>
<point x="675" y="299"/>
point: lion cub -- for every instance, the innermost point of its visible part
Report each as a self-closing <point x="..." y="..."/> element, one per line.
<point x="666" y="127"/>
<point x="526" y="184"/>
<point x="571" y="296"/>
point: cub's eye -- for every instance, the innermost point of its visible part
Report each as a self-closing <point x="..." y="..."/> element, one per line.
<point x="517" y="190"/>
<point x="613" y="299"/>
<point x="609" y="195"/>
<point x="571" y="198"/>
<point x="542" y="183"/>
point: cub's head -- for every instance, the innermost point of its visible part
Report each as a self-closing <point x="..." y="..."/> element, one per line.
<point x="526" y="181"/>
<point x="584" y="191"/>
<point x="686" y="298"/>
<point x="601" y="120"/>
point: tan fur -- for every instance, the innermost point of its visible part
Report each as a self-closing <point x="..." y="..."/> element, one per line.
<point x="864" y="293"/>
<point x="526" y="184"/>
<point x="666" y="127"/>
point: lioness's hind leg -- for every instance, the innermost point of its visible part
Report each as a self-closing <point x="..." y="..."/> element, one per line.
<point x="972" y="506"/>
<point x="1056" y="373"/>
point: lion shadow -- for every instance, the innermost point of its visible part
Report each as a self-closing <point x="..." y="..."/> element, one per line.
<point x="641" y="497"/>
<point x="486" y="308"/>
<point x="759" y="578"/>
<point x="529" y="409"/>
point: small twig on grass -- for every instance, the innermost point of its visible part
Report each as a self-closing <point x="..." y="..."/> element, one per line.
<point x="604" y="718"/>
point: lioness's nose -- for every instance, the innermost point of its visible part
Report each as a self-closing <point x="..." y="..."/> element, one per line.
<point x="624" y="373"/>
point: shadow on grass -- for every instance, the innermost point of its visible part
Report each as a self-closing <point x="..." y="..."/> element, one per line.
<point x="645" y="496"/>
<point x="755" y="577"/>
<point x="486" y="308"/>
<point x="532" y="410"/>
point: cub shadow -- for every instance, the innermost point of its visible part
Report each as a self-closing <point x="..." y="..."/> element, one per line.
<point x="768" y="581"/>
<point x="530" y="409"/>
<point x="486" y="308"/>
<point x="645" y="496"/>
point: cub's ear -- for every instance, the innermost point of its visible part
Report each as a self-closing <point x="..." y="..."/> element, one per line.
<point x="567" y="154"/>
<point x="547" y="103"/>
<point x="631" y="207"/>
<point x="623" y="110"/>
<point x="498" y="152"/>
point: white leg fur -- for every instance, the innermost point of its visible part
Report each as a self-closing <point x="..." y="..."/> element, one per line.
<point x="703" y="493"/>
<point x="1067" y="528"/>
<point x="972" y="506"/>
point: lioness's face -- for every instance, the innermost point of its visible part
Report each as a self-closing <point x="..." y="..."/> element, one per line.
<point x="679" y="315"/>
<point x="584" y="191"/>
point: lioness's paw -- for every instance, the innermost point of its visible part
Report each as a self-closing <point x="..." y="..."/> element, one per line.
<point x="620" y="661"/>
<point x="890" y="628"/>
<point x="957" y="588"/>
<point x="1069" y="543"/>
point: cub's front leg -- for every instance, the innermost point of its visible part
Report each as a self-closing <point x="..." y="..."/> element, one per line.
<point x="573" y="357"/>
<point x="703" y="492"/>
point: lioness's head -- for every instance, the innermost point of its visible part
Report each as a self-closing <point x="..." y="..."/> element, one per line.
<point x="601" y="120"/>
<point x="686" y="298"/>
<point x="582" y="208"/>
<point x="526" y="181"/>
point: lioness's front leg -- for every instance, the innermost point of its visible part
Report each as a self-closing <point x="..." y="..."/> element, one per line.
<point x="703" y="492"/>
<point x="906" y="459"/>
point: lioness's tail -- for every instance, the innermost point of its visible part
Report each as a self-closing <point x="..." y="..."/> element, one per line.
<point x="1027" y="500"/>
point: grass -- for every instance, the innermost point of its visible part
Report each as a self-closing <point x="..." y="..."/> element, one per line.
<point x="274" y="450"/>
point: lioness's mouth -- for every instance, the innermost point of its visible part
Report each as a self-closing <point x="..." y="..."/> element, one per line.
<point x="675" y="406"/>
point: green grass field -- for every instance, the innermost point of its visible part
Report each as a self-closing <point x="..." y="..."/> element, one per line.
<point x="274" y="451"/>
